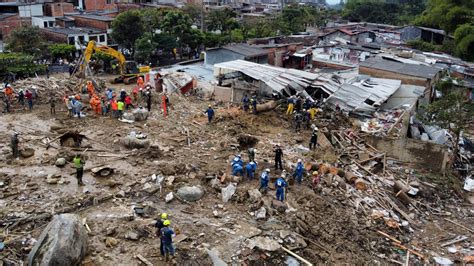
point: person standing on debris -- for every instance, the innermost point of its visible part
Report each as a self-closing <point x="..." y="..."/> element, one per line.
<point x="312" y="111"/>
<point x="114" y="106"/>
<point x="298" y="174"/>
<point x="316" y="179"/>
<point x="251" y="152"/>
<point x="314" y="139"/>
<point x="254" y="104"/>
<point x="21" y="98"/>
<point x="6" y="101"/>
<point x="250" y="169"/>
<point x="140" y="82"/>
<point x="278" y="157"/>
<point x="298" y="104"/>
<point x="120" y="108"/>
<point x="123" y="93"/>
<point x="135" y="94"/>
<point x="298" y="120"/>
<point x="14" y="145"/>
<point x="210" y="113"/>
<point x="128" y="102"/>
<point x="110" y="94"/>
<point x="167" y="235"/>
<point x="79" y="164"/>
<point x="306" y="119"/>
<point x="245" y="103"/>
<point x="29" y="99"/>
<point x="52" y="105"/>
<point x="164" y="104"/>
<point x="264" y="178"/>
<point x="159" y="225"/>
<point x="291" y="105"/>
<point x="8" y="92"/>
<point x="90" y="88"/>
<point x="280" y="186"/>
<point x="148" y="101"/>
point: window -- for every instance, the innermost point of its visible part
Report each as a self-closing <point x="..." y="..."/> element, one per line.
<point x="102" y="38"/>
<point x="45" y="24"/>
<point x="81" y="39"/>
<point x="93" y="38"/>
<point x="109" y="2"/>
<point x="71" y="40"/>
<point x="51" y="23"/>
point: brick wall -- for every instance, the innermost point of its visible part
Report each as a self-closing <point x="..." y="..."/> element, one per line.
<point x="54" y="36"/>
<point x="91" y="23"/>
<point x="99" y="5"/>
<point x="8" y="24"/>
<point x="58" y="9"/>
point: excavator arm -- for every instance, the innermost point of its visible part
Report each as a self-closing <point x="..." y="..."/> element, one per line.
<point x="93" y="47"/>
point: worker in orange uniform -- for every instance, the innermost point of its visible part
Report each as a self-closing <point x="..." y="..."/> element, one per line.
<point x="90" y="88"/>
<point x="140" y="82"/>
<point x="135" y="94"/>
<point x="97" y="106"/>
<point x="9" y="92"/>
<point x="114" y="106"/>
<point x="163" y="104"/>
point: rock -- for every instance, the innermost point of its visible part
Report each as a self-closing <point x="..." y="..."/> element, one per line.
<point x="60" y="162"/>
<point x="134" y="143"/>
<point x="52" y="181"/>
<point x="263" y="243"/>
<point x="169" y="197"/>
<point x="228" y="192"/>
<point x="261" y="213"/>
<point x="216" y="214"/>
<point x="111" y="242"/>
<point x="140" y="114"/>
<point x="279" y="206"/>
<point x="62" y="242"/>
<point x="27" y="152"/>
<point x="128" y="116"/>
<point x="132" y="235"/>
<point x="254" y="195"/>
<point x="190" y="193"/>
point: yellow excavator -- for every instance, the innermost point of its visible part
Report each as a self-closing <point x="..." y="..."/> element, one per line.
<point x="129" y="71"/>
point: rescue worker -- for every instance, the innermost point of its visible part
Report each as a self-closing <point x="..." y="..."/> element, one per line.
<point x="90" y="88"/>
<point x="166" y="235"/>
<point x="251" y="152"/>
<point x="314" y="139"/>
<point x="110" y="94"/>
<point x="148" y="100"/>
<point x="237" y="160"/>
<point x="278" y="157"/>
<point x="280" y="186"/>
<point x="291" y="105"/>
<point x="299" y="170"/>
<point x="313" y="111"/>
<point x="250" y="169"/>
<point x="120" y="108"/>
<point x="164" y="105"/>
<point x="123" y="93"/>
<point x="114" y="106"/>
<point x="21" y="98"/>
<point x="245" y="103"/>
<point x="29" y="99"/>
<point x="52" y="105"/>
<point x="210" y="113"/>
<point x="159" y="225"/>
<point x="237" y="169"/>
<point x="135" y="94"/>
<point x="98" y="107"/>
<point x="264" y="178"/>
<point x="8" y="92"/>
<point x="6" y="101"/>
<point x="105" y="106"/>
<point x="79" y="164"/>
<point x="128" y="102"/>
<point x="254" y="104"/>
<point x="306" y="119"/>
<point x="316" y="179"/>
<point x="140" y="82"/>
<point x="298" y="121"/>
<point x="14" y="145"/>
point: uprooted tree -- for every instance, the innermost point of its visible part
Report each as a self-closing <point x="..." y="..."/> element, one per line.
<point x="452" y="111"/>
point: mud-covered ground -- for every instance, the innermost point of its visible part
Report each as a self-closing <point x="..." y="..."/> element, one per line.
<point x="322" y="226"/>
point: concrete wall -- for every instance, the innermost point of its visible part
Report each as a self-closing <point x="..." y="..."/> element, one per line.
<point x="58" y="9"/>
<point x="423" y="154"/>
<point x="31" y="10"/>
<point x="92" y="23"/>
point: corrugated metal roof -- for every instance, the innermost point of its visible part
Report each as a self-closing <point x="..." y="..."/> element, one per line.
<point x="361" y="94"/>
<point x="420" y="71"/>
<point x="246" y="50"/>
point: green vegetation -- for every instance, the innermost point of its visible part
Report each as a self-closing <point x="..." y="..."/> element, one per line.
<point x="27" y="40"/>
<point x="127" y="28"/>
<point x="22" y="65"/>
<point x="383" y="11"/>
<point x="62" y="50"/>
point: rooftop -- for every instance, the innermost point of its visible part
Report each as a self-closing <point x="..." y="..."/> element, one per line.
<point x="17" y="4"/>
<point x="420" y="71"/>
<point x="6" y="15"/>
<point x="95" y="17"/>
<point x="246" y="50"/>
<point x="72" y="31"/>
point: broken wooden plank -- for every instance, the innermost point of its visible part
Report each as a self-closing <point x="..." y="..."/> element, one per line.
<point x="389" y="237"/>
<point x="297" y="256"/>
<point x="410" y="250"/>
<point x="460" y="225"/>
<point x="142" y="259"/>
<point x="455" y="240"/>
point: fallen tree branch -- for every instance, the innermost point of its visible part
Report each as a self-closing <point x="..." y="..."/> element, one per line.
<point x="296" y="256"/>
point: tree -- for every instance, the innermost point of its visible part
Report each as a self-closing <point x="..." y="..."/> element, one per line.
<point x="153" y="18"/>
<point x="62" y="50"/>
<point x="127" y="28"/>
<point x="194" y="12"/>
<point x="27" y="40"/>
<point x="452" y="111"/>
<point x="222" y="20"/>
<point x="464" y="39"/>
<point x="446" y="14"/>
<point x="144" y="48"/>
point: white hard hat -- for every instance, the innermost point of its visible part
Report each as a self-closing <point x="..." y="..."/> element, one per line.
<point x="267" y="170"/>
<point x="239" y="155"/>
<point x="252" y="163"/>
<point x="299" y="160"/>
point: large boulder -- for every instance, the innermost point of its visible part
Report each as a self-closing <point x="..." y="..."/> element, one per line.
<point x="140" y="114"/>
<point x="228" y="192"/>
<point x="254" y="195"/>
<point x="62" y="242"/>
<point x="134" y="143"/>
<point x="190" y="193"/>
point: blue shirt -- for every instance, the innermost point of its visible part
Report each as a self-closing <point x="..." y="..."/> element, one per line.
<point x="264" y="177"/>
<point x="251" y="167"/>
<point x="280" y="183"/>
<point x="166" y="235"/>
<point x="238" y="161"/>
<point x="210" y="112"/>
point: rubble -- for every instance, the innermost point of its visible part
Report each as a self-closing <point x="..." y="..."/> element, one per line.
<point x="190" y="193"/>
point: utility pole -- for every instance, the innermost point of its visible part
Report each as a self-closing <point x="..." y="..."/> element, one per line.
<point x="202" y="15"/>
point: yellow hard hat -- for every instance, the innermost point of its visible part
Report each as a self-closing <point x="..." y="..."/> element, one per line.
<point x="209" y="105"/>
<point x="164" y="215"/>
<point x="166" y="223"/>
<point x="315" y="173"/>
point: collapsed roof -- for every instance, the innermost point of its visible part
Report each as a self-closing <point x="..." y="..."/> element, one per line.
<point x="362" y="94"/>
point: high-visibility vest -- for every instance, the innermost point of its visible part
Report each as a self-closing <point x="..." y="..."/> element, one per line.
<point x="77" y="162"/>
